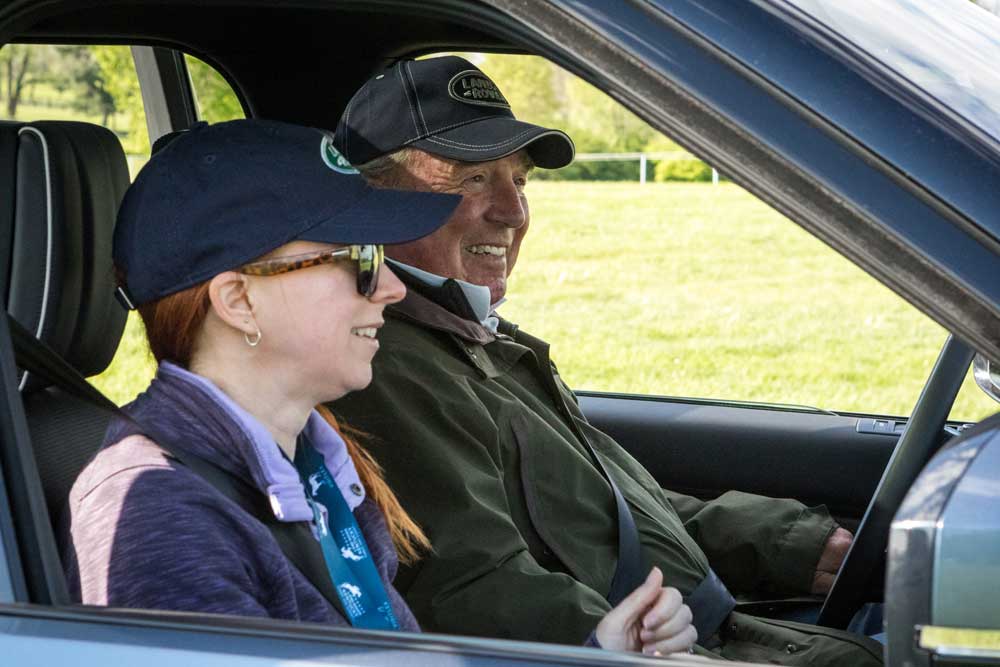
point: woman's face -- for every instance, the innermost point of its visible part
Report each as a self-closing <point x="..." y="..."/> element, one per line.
<point x="317" y="331"/>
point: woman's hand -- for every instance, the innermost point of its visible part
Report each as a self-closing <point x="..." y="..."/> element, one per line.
<point x="652" y="619"/>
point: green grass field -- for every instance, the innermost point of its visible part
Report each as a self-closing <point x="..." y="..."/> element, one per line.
<point x="695" y="290"/>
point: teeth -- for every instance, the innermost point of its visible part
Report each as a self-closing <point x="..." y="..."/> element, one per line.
<point x="497" y="250"/>
<point x="364" y="332"/>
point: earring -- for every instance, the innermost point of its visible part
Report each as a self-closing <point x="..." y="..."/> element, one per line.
<point x="252" y="342"/>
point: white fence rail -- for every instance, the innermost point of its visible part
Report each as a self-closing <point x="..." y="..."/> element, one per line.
<point x="642" y="158"/>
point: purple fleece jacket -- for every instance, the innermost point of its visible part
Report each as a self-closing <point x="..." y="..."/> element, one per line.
<point x="142" y="530"/>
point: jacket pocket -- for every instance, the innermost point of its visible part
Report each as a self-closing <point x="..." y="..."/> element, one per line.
<point x="566" y="499"/>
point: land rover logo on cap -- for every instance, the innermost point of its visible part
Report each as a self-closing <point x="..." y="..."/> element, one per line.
<point x="472" y="87"/>
<point x="333" y="158"/>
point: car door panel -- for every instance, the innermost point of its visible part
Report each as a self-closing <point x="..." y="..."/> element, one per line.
<point x="705" y="449"/>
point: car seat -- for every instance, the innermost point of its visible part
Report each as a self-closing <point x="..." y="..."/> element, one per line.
<point x="61" y="183"/>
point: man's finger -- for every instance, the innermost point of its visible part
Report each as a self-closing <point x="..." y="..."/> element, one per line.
<point x="834" y="551"/>
<point x="667" y="603"/>
<point x="822" y="583"/>
<point x="676" y="644"/>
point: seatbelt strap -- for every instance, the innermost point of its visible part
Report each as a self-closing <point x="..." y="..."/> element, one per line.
<point x="295" y="539"/>
<point x="34" y="356"/>
<point x="710" y="603"/>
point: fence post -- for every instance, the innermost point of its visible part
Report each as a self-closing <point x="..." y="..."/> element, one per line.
<point x="642" y="169"/>
<point x="715" y="176"/>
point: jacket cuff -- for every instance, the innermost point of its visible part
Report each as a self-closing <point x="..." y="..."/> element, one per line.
<point x="799" y="549"/>
<point x="592" y="640"/>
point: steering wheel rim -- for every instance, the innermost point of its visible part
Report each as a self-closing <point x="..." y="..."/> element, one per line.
<point x="918" y="443"/>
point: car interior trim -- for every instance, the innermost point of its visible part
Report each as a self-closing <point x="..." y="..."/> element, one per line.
<point x="13" y="435"/>
<point x="210" y="628"/>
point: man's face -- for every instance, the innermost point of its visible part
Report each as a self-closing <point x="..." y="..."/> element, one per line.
<point x="480" y="241"/>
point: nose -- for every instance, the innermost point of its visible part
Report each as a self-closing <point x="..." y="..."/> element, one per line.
<point x="508" y="206"/>
<point x="389" y="289"/>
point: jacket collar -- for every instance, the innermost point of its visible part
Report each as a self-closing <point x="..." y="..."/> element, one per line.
<point x="441" y="308"/>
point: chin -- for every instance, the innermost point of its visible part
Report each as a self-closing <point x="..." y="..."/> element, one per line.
<point x="360" y="382"/>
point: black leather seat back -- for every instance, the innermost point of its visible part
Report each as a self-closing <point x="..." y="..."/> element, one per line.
<point x="65" y="181"/>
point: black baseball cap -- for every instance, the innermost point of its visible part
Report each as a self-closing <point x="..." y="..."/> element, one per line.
<point x="447" y="107"/>
<point x="216" y="197"/>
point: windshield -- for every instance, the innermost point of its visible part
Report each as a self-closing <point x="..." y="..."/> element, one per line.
<point x="949" y="48"/>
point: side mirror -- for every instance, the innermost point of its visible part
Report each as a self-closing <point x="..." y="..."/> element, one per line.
<point x="987" y="376"/>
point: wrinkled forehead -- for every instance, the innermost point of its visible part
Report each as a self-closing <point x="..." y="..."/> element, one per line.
<point x="520" y="159"/>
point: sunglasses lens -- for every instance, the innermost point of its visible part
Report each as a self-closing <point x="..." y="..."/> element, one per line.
<point x="369" y="261"/>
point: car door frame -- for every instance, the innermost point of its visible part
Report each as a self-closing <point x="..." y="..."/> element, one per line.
<point x="570" y="39"/>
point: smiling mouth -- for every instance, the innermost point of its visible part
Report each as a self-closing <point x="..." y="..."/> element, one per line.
<point x="365" y="332"/>
<point x="494" y="250"/>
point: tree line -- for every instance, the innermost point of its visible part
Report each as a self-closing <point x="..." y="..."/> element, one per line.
<point x="541" y="92"/>
<point x="99" y="84"/>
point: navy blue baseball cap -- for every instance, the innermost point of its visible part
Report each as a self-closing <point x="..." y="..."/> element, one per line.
<point x="447" y="107"/>
<point x="216" y="197"/>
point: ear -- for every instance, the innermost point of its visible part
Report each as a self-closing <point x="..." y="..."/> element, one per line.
<point x="231" y="302"/>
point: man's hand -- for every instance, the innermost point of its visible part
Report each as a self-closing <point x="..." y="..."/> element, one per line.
<point x="652" y="619"/>
<point x="830" y="561"/>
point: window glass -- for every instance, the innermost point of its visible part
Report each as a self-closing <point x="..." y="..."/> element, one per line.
<point x="650" y="274"/>
<point x="95" y="84"/>
<point x="215" y="100"/>
<point x="946" y="47"/>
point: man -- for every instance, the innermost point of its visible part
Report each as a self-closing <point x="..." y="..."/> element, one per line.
<point x="537" y="519"/>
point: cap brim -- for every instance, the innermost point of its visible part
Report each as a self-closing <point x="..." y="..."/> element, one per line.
<point x="496" y="137"/>
<point x="385" y="216"/>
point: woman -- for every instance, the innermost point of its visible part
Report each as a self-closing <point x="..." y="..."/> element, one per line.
<point x="248" y="249"/>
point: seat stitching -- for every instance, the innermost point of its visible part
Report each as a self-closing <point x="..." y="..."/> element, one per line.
<point x="48" y="236"/>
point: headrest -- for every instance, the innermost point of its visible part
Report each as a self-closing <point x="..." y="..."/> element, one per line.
<point x="60" y="187"/>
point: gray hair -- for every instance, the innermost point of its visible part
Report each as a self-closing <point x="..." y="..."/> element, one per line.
<point x="386" y="170"/>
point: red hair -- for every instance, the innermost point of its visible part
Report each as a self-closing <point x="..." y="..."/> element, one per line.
<point x="172" y="326"/>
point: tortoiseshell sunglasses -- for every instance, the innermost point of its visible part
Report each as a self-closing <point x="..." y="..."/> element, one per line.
<point x="369" y="258"/>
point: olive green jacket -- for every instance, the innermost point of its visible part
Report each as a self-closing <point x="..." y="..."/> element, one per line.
<point x="482" y="442"/>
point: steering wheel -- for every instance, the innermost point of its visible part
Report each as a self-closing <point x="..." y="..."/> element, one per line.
<point x="919" y="441"/>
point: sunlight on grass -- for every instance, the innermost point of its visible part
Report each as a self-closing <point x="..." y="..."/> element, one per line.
<point x="701" y="290"/>
<point x="694" y="290"/>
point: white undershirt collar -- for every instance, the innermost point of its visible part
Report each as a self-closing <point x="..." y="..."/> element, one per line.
<point x="478" y="296"/>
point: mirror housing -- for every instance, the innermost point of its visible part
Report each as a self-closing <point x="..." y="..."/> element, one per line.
<point x="987" y="375"/>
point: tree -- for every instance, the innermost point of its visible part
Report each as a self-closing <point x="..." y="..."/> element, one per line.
<point x="214" y="96"/>
<point x="82" y="74"/>
<point x="18" y="69"/>
<point x="119" y="81"/>
<point x="534" y="87"/>
<point x="542" y="93"/>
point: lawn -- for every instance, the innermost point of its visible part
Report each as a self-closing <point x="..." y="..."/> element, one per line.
<point x="695" y="290"/>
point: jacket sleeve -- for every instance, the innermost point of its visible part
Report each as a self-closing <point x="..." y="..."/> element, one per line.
<point x="755" y="543"/>
<point x="480" y="578"/>
<point x="132" y="548"/>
